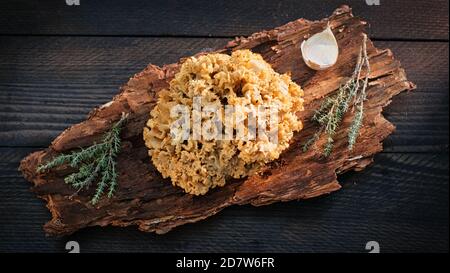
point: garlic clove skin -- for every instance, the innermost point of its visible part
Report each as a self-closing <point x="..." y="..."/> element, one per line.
<point x="321" y="50"/>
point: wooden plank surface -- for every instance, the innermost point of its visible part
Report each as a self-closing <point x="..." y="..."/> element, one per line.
<point x="400" y="201"/>
<point x="50" y="83"/>
<point x="399" y="19"/>
<point x="156" y="206"/>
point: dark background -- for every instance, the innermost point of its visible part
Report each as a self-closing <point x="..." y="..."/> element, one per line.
<point x="57" y="62"/>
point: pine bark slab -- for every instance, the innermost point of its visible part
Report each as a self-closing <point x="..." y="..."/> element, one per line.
<point x="150" y="202"/>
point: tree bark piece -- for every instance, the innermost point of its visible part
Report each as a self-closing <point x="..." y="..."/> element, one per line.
<point x="147" y="200"/>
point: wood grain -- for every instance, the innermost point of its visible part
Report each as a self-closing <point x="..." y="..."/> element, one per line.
<point x="389" y="202"/>
<point x="50" y="83"/>
<point x="399" y="19"/>
<point x="151" y="203"/>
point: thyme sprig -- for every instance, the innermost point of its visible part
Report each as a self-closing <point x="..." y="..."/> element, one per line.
<point x="331" y="112"/>
<point x="94" y="163"/>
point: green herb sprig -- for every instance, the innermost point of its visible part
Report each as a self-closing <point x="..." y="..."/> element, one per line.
<point x="94" y="163"/>
<point x="333" y="109"/>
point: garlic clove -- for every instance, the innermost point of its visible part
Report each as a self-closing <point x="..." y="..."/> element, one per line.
<point x="321" y="50"/>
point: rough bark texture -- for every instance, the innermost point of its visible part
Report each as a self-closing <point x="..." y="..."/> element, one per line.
<point x="153" y="204"/>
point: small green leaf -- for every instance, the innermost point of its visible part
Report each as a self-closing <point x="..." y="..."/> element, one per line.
<point x="94" y="162"/>
<point x="331" y="112"/>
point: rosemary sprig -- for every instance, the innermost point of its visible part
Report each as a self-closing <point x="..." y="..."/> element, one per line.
<point x="96" y="162"/>
<point x="333" y="109"/>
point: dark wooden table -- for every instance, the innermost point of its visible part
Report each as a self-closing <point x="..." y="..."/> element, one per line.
<point x="57" y="62"/>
